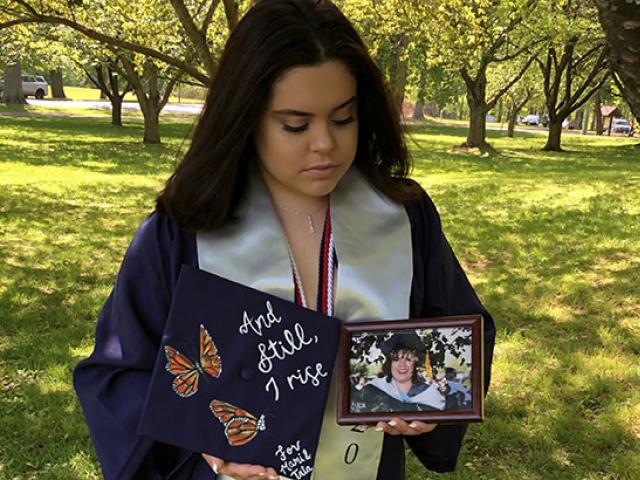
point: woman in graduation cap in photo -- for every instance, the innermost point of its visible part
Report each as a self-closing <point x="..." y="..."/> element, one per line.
<point x="401" y="389"/>
<point x="295" y="184"/>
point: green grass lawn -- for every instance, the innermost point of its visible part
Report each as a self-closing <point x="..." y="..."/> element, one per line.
<point x="551" y="242"/>
<point x="71" y="110"/>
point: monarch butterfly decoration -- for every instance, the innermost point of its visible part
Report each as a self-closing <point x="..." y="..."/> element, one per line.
<point x="240" y="427"/>
<point x="187" y="373"/>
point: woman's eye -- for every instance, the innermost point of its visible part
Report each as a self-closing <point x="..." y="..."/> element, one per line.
<point x="293" y="129"/>
<point x="346" y="121"/>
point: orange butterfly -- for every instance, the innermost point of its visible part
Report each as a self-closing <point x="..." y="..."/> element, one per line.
<point x="240" y="426"/>
<point x="187" y="372"/>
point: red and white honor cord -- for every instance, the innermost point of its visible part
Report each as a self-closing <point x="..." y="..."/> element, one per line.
<point x="326" y="272"/>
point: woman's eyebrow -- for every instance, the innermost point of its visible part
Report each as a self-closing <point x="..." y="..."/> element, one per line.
<point x="299" y="113"/>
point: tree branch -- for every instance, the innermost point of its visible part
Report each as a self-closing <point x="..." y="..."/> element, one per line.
<point x="569" y="48"/>
<point x="111" y="41"/>
<point x="491" y="103"/>
<point x="209" y="16"/>
<point x="583" y="57"/>
<point x="197" y="37"/>
<point x="597" y="68"/>
<point x="168" y="90"/>
<point x="589" y="94"/>
<point x="231" y="12"/>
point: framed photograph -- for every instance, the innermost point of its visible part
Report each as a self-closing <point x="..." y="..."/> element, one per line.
<point x="419" y="369"/>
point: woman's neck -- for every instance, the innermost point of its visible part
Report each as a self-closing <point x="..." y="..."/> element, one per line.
<point x="293" y="200"/>
<point x="403" y="387"/>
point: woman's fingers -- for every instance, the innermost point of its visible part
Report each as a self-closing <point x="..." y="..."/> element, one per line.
<point x="240" y="471"/>
<point x="397" y="426"/>
<point x="213" y="462"/>
<point x="421" y="427"/>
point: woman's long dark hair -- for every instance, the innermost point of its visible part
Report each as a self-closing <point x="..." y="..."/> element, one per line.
<point x="273" y="37"/>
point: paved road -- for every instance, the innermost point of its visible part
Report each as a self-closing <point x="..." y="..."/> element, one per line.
<point x="193" y="108"/>
<point x="196" y="108"/>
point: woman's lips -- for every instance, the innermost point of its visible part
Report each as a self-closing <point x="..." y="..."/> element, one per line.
<point x="321" y="170"/>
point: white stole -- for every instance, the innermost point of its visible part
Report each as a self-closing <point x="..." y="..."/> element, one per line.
<point x="375" y="266"/>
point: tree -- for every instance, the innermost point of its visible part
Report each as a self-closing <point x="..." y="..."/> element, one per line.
<point x="152" y="28"/>
<point x="517" y="101"/>
<point x="13" y="53"/>
<point x="394" y="33"/>
<point x="437" y="87"/>
<point x="620" y="20"/>
<point x="105" y="75"/>
<point x="476" y="36"/>
<point x="57" y="83"/>
<point x="154" y="97"/>
<point x="159" y="41"/>
<point x="574" y="67"/>
<point x="12" y="93"/>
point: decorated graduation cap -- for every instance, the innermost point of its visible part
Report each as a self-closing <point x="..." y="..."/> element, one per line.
<point x="241" y="374"/>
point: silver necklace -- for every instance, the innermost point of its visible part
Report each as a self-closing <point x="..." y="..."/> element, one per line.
<point x="298" y="213"/>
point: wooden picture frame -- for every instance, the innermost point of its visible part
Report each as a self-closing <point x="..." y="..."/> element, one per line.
<point x="446" y="381"/>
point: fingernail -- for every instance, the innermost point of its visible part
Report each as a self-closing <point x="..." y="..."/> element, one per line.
<point x="392" y="423"/>
<point x="378" y="429"/>
<point x="273" y="477"/>
<point x="413" y="425"/>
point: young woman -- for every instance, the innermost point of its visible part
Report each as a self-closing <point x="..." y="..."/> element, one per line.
<point x="294" y="184"/>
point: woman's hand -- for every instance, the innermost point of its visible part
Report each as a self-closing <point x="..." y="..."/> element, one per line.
<point x="239" y="471"/>
<point x="397" y="426"/>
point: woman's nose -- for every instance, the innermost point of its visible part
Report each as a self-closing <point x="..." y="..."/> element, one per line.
<point x="322" y="140"/>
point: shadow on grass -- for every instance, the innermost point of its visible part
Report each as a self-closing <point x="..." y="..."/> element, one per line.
<point x="561" y="282"/>
<point x="60" y="256"/>
<point x="522" y="156"/>
<point x="92" y="144"/>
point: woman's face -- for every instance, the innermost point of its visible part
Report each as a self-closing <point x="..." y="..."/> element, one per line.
<point x="402" y="365"/>
<point x="308" y="135"/>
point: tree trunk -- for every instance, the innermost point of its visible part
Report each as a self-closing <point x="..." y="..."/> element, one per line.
<point x="477" y="101"/>
<point x="398" y="71"/>
<point x="578" y="120"/>
<point x="476" y="136"/>
<point x="585" y="120"/>
<point x="149" y="104"/>
<point x="500" y="111"/>
<point x="116" y="110"/>
<point x="13" y="93"/>
<point x="514" y="111"/>
<point x="555" y="135"/>
<point x="418" y="112"/>
<point x="513" y="116"/>
<point x="597" y="112"/>
<point x="620" y="20"/>
<point x="152" y="126"/>
<point x="57" y="85"/>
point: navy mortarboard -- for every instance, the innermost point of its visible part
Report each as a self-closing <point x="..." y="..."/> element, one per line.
<point x="241" y="374"/>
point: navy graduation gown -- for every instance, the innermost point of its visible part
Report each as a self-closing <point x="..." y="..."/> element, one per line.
<point x="112" y="383"/>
